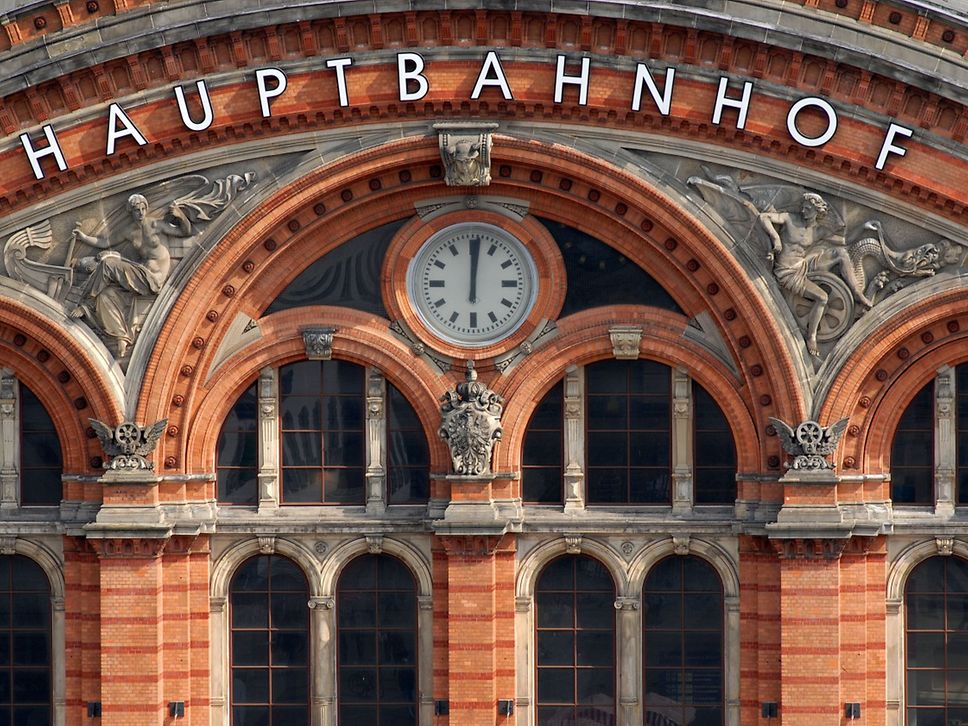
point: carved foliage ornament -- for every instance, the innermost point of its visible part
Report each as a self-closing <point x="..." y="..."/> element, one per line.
<point x="128" y="444"/>
<point x="470" y="424"/>
<point x="810" y="443"/>
<point x="319" y="343"/>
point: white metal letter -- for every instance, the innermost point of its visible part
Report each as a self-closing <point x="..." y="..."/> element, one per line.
<point x="117" y="115"/>
<point x="35" y="155"/>
<point x="889" y="148"/>
<point x="339" y="65"/>
<point x="206" y="107"/>
<point x="414" y="72"/>
<point x="580" y="80"/>
<point x="824" y="106"/>
<point x="743" y="104"/>
<point x="266" y="93"/>
<point x="663" y="102"/>
<point x="492" y="65"/>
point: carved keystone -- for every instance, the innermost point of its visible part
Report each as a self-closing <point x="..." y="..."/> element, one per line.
<point x="626" y="340"/>
<point x="319" y="343"/>
<point x="945" y="545"/>
<point x="465" y="150"/>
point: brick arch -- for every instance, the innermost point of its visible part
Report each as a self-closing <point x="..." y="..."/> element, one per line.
<point x="583" y="338"/>
<point x="64" y="375"/>
<point x="282" y="343"/>
<point x="888" y="368"/>
<point x="331" y="205"/>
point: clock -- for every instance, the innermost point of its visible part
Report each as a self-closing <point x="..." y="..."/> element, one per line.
<point x="472" y="284"/>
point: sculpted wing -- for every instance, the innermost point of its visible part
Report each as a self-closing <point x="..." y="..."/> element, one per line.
<point x="105" y="435"/>
<point x="150" y="437"/>
<point x="831" y="437"/>
<point x="786" y="437"/>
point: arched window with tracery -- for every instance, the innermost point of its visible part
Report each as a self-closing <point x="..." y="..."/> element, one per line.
<point x="682" y="644"/>
<point x="642" y="422"/>
<point x="325" y="432"/>
<point x="269" y="611"/>
<point x="376" y="616"/>
<point x="575" y="642"/>
<point x="936" y="624"/>
<point x="25" y="642"/>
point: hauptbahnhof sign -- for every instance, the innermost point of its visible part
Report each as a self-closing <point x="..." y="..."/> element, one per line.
<point x="413" y="85"/>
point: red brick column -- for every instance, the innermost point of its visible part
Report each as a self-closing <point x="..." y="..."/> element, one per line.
<point x="759" y="603"/>
<point x="82" y="630"/>
<point x="480" y="627"/>
<point x="131" y="594"/>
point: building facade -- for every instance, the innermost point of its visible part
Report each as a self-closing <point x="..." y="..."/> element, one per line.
<point x="484" y="363"/>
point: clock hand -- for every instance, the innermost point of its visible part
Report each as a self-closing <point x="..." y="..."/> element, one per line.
<point x="475" y="245"/>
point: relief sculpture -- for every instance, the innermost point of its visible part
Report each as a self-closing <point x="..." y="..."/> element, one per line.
<point x="114" y="267"/>
<point x="829" y="278"/>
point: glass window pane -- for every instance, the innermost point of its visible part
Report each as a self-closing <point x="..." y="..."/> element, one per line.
<point x="344" y="486"/>
<point x="556" y="647"/>
<point x="302" y="486"/>
<point x="250" y="685"/>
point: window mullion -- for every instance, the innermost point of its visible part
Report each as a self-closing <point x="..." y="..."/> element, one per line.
<point x="945" y="453"/>
<point x="376" y="436"/>
<point x="9" y="439"/>
<point x="682" y="441"/>
<point x="574" y="412"/>
<point x="268" y="439"/>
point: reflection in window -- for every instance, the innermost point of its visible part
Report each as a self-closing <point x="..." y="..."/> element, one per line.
<point x="270" y="643"/>
<point x="682" y="604"/>
<point x="628" y="435"/>
<point x="40" y="453"/>
<point x="912" y="453"/>
<point x="936" y="602"/>
<point x="25" y="643"/>
<point x="962" y="441"/>
<point x="237" y="454"/>
<point x="543" y="450"/>
<point x="408" y="459"/>
<point x="714" y="470"/>
<point x="376" y="612"/>
<point x="321" y="406"/>
<point x="575" y="636"/>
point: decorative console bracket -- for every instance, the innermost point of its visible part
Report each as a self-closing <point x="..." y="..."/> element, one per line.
<point x="465" y="150"/>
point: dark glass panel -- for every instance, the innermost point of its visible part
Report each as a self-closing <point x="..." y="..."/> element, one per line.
<point x="397" y="648"/>
<point x="703" y="649"/>
<point x="650" y="486"/>
<point x="398" y="684"/>
<point x="31" y="686"/>
<point x="649" y="449"/>
<point x="343" y="377"/>
<point x="957" y="606"/>
<point x="253" y="574"/>
<point x="715" y="486"/>
<point x="344" y="486"/>
<point x="244" y="414"/>
<point x="250" y="716"/>
<point x="343" y="448"/>
<point x="286" y="715"/>
<point x="608" y="376"/>
<point x="666" y="575"/>
<point x="925" y="650"/>
<point x="699" y="576"/>
<point x="662" y="682"/>
<point x="301" y="412"/>
<point x="357" y="684"/>
<point x="559" y="574"/>
<point x="912" y="451"/>
<point x="396" y="611"/>
<point x="407" y="448"/>
<point x="542" y="485"/>
<point x="926" y="688"/>
<point x="543" y="448"/>
<point x="556" y="685"/>
<point x="595" y="685"/>
<point x="40" y="486"/>
<point x="928" y="576"/>
<point x="300" y="379"/>
<point x="31" y="648"/>
<point x="595" y="648"/>
<point x="590" y="574"/>
<point x="556" y="647"/>
<point x="289" y="647"/>
<point x="30" y="610"/>
<point x="290" y="685"/>
<point x="397" y="715"/>
<point x="957" y="575"/>
<point x="595" y="610"/>
<point x="301" y="485"/>
<point x="925" y="612"/>
<point x="358" y="714"/>
<point x="250" y="647"/>
<point x="607" y="486"/>
<point x="548" y="413"/>
<point x="359" y="574"/>
<point x="394" y="575"/>
<point x="237" y="486"/>
<point x="301" y="449"/>
<point x="238" y="449"/>
<point x="249" y="610"/>
<point x="649" y="377"/>
<point x="250" y="685"/>
<point x="286" y="575"/>
<point x="607" y="413"/>
<point x="649" y="412"/>
<point x="555" y="610"/>
<point x="408" y="486"/>
<point x="288" y="611"/>
<point x="342" y="412"/>
<point x="714" y="448"/>
<point x="607" y="449"/>
<point x="663" y="648"/>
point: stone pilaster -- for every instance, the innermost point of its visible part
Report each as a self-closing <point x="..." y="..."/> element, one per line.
<point x="574" y="403"/>
<point x="376" y="434"/>
<point x="268" y="439"/>
<point x="682" y="458"/>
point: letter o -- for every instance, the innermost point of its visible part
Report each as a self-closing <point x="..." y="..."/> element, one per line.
<point x="824" y="106"/>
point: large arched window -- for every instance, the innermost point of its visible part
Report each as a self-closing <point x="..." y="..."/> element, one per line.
<point x="644" y="425"/>
<point x="25" y="642"/>
<point x="322" y="432"/>
<point x="376" y="615"/>
<point x="682" y="603"/>
<point x="31" y="448"/>
<point x="269" y="603"/>
<point x="936" y="616"/>
<point x="575" y="637"/>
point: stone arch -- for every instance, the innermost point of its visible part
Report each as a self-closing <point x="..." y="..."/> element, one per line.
<point x="223" y="570"/>
<point x="282" y="343"/>
<point x="727" y="568"/>
<point x="702" y="274"/>
<point x="535" y="561"/>
<point x="583" y="338"/>
<point x="899" y="571"/>
<point x="53" y="567"/>
<point x="404" y="551"/>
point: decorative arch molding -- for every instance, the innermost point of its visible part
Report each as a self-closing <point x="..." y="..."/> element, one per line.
<point x="583" y="338"/>
<point x="339" y="557"/>
<point x="726" y="566"/>
<point x="368" y="344"/>
<point x="535" y="560"/>
<point x="900" y="568"/>
<point x="60" y="369"/>
<point x="889" y="367"/>
<point x="334" y="203"/>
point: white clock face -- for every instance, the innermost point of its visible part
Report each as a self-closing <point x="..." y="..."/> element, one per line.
<point x="473" y="284"/>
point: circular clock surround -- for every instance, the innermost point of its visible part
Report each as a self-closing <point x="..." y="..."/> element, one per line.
<point x="540" y="258"/>
<point x="472" y="284"/>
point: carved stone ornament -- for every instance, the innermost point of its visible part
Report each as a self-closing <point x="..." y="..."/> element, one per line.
<point x="465" y="150"/>
<point x="945" y="545"/>
<point x="128" y="444"/>
<point x="8" y="544"/>
<point x="267" y="544"/>
<point x="680" y="544"/>
<point x="374" y="544"/>
<point x="830" y="264"/>
<point x="626" y="340"/>
<point x="108" y="271"/>
<point x="809" y="443"/>
<point x="573" y="544"/>
<point x="470" y="424"/>
<point x="319" y="343"/>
